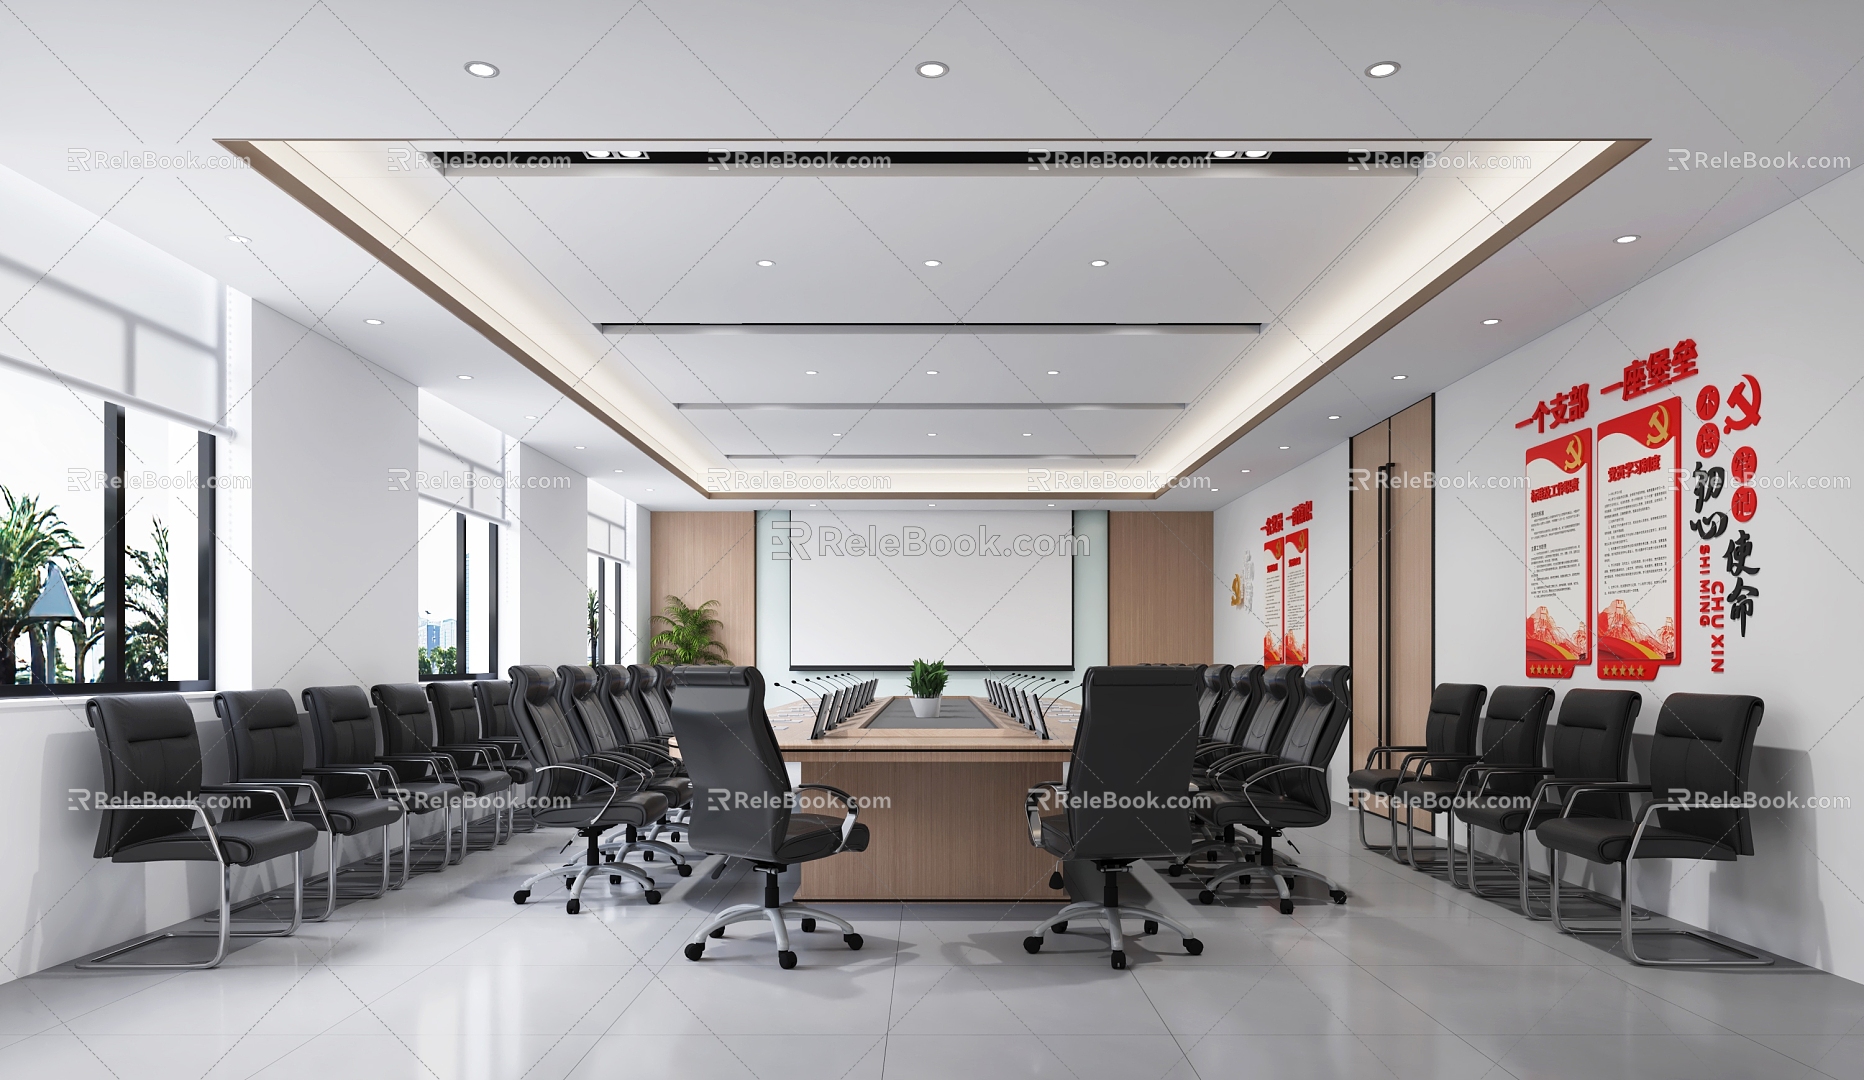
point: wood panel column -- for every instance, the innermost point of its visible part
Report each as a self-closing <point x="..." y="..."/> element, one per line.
<point x="708" y="555"/>
<point x="1159" y="573"/>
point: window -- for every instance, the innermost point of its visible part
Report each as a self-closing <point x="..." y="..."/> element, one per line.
<point x="610" y="640"/>
<point x="106" y="543"/>
<point x="458" y="592"/>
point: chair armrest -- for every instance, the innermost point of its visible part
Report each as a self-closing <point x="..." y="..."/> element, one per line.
<point x="481" y="753"/>
<point x="613" y="788"/>
<point x="284" y="804"/>
<point x="1276" y="770"/>
<point x="1230" y="764"/>
<point x="317" y="792"/>
<point x="1426" y="761"/>
<point x="847" y="800"/>
<point x="1485" y="772"/>
<point x="432" y="761"/>
<point x="1583" y="788"/>
<point x="1388" y="751"/>
<point x="371" y="773"/>
<point x="1032" y="806"/>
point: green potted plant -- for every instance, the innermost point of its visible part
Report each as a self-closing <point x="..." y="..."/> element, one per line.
<point x="927" y="683"/>
<point x="690" y="637"/>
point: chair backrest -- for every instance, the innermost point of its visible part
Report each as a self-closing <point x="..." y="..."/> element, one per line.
<point x="1216" y="686"/>
<point x="493" y="696"/>
<point x="1235" y="703"/>
<point x="407" y="720"/>
<point x="1514" y="729"/>
<point x="1133" y="750"/>
<point x="615" y="687"/>
<point x="1314" y="734"/>
<point x="589" y="722"/>
<point x="1278" y="703"/>
<point x="1455" y="713"/>
<point x="456" y="714"/>
<point x="1703" y="746"/>
<point x="264" y="738"/>
<point x="1593" y="741"/>
<point x="1249" y="682"/>
<point x="654" y="697"/>
<point x="343" y="726"/>
<point x="731" y="754"/>
<point x="150" y="747"/>
<point x="548" y="737"/>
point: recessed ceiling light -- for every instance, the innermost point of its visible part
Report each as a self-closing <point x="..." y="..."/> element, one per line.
<point x="1027" y="434"/>
<point x="596" y="153"/>
<point x="1223" y="153"/>
<point x="765" y="262"/>
<point x="932" y="69"/>
<point x="530" y="417"/>
<point x="621" y="470"/>
<point x="934" y="371"/>
<point x="1245" y="470"/>
<point x="1490" y="322"/>
<point x="1098" y="262"/>
<point x="1051" y="504"/>
<point x="808" y="373"/>
<point x="650" y="489"/>
<point x="238" y="239"/>
<point x="1215" y="489"/>
<point x="373" y="322"/>
<point x="633" y="155"/>
<point x="1054" y="373"/>
<point x="931" y="504"/>
<point x="1334" y="416"/>
<point x="1628" y="238"/>
<point x="834" y="434"/>
<point x="1400" y="378"/>
<point x="1255" y="153"/>
<point x="1281" y="448"/>
<point x="1384" y="69"/>
<point x="479" y="69"/>
<point x="463" y="378"/>
<point x="931" y="434"/>
<point x="932" y="262"/>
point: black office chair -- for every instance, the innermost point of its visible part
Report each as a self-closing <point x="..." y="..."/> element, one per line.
<point x="1701" y="749"/>
<point x="1449" y="742"/>
<point x="602" y="745"/>
<point x="656" y="703"/>
<point x="346" y="736"/>
<point x="574" y="794"/>
<point x="1510" y="736"/>
<point x="616" y="693"/>
<point x="409" y="734"/>
<point x="1216" y="687"/>
<point x="1278" y="692"/>
<point x="748" y="812"/>
<point x="457" y="726"/>
<point x="1243" y="698"/>
<point x="493" y="700"/>
<point x="1291" y="794"/>
<point x="152" y="755"/>
<point x="1590" y="744"/>
<point x="265" y="746"/>
<point x="1125" y="796"/>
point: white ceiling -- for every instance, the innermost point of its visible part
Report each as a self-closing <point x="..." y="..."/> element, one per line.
<point x="1681" y="74"/>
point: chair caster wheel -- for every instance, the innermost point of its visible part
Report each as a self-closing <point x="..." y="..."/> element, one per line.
<point x="614" y="879"/>
<point x="573" y="906"/>
<point x="1210" y="856"/>
<point x="1060" y="927"/>
<point x="1193" y="946"/>
<point x="1175" y="869"/>
<point x="1205" y="896"/>
<point x="1032" y="944"/>
<point x="786" y="959"/>
<point x="1151" y="927"/>
<point x="1119" y="959"/>
<point x="520" y="896"/>
<point x="647" y="856"/>
<point x="685" y="870"/>
<point x="653" y="896"/>
<point x="609" y="857"/>
<point x="569" y="882"/>
<point x="1338" y="896"/>
<point x="808" y="926"/>
<point x="854" y="941"/>
<point x="1287" y="907"/>
<point x="675" y="836"/>
<point x="695" y="950"/>
<point x="719" y="932"/>
<point x="1055" y="881"/>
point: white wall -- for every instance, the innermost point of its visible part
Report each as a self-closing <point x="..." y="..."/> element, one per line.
<point x="1776" y="300"/>
<point x="550" y="511"/>
<point x="1238" y="633"/>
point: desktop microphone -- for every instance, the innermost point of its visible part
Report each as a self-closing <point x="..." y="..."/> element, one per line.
<point x="792" y="690"/>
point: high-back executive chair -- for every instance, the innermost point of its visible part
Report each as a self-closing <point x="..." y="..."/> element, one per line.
<point x="1125" y="796"/>
<point x="266" y="746"/>
<point x="1256" y="745"/>
<point x="1510" y="736"/>
<point x="1449" y="743"/>
<point x="1699" y="758"/>
<point x="1216" y="687"/>
<point x="1291" y="794"/>
<point x="602" y="743"/>
<point x="152" y="754"/>
<point x="749" y="811"/>
<point x="344" y="733"/>
<point x="1591" y="743"/>
<point x="616" y="692"/>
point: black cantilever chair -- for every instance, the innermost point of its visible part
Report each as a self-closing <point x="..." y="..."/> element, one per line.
<point x="266" y="746"/>
<point x="1126" y="793"/>
<point x="1291" y="794"/>
<point x="343" y="730"/>
<point x="750" y="809"/>
<point x="1591" y="743"/>
<point x="1449" y="743"/>
<point x="1510" y="737"/>
<point x="1699" y="758"/>
<point x="572" y="793"/>
<point x="492" y="697"/>
<point x="152" y="761"/>
<point x="457" y="726"/>
<point x="411" y="734"/>
<point x="602" y="745"/>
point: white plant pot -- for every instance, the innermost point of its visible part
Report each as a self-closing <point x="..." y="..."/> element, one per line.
<point x="926" y="706"/>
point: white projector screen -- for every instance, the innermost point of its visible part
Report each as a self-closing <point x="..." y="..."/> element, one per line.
<point x="976" y="589"/>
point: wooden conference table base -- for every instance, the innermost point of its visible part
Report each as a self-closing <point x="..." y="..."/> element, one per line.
<point x="945" y="806"/>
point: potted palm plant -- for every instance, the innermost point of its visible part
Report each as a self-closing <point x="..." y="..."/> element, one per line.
<point x="690" y="637"/>
<point x="927" y="683"/>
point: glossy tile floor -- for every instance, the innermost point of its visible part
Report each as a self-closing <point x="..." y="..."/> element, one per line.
<point x="448" y="980"/>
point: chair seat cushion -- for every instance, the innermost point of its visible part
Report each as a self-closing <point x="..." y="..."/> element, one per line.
<point x="1260" y="809"/>
<point x="1507" y="815"/>
<point x="1608" y="840"/>
<point x="521" y="772"/>
<point x="429" y="796"/>
<point x="355" y="814"/>
<point x="485" y="781"/>
<point x="1432" y="795"/>
<point x="677" y="789"/>
<point x="640" y="808"/>
<point x="244" y="842"/>
<point x="1373" y="780"/>
<point x="815" y="836"/>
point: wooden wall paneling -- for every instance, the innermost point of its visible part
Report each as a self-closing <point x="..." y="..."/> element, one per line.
<point x="1159" y="595"/>
<point x="710" y="555"/>
<point x="1371" y="448"/>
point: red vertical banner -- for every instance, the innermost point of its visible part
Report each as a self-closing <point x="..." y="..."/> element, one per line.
<point x="1294" y="598"/>
<point x="1640" y="530"/>
<point x="1559" y="556"/>
<point x="1272" y="601"/>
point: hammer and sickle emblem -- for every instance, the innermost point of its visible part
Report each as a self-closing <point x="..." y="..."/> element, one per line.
<point x="1659" y="427"/>
<point x="1575" y="457"/>
<point x="1236" y="591"/>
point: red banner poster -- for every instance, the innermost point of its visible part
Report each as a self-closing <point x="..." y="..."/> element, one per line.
<point x="1272" y="601"/>
<point x="1559" y="556"/>
<point x="1640" y="530"/>
<point x="1294" y="599"/>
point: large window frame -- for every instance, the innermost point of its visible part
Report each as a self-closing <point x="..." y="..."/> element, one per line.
<point x="117" y="506"/>
<point x="610" y="588"/>
<point x="461" y="593"/>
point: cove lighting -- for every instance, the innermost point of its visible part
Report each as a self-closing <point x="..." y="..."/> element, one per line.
<point x="1384" y="69"/>
<point x="479" y="69"/>
<point x="932" y="69"/>
<point x="1628" y="238"/>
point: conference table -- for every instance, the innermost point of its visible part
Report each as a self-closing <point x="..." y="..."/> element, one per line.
<point x="943" y="797"/>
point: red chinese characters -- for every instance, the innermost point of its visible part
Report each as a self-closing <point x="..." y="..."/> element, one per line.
<point x="1565" y="407"/>
<point x="1657" y="370"/>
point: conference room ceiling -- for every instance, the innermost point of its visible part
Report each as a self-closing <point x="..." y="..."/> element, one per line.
<point x="671" y="249"/>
